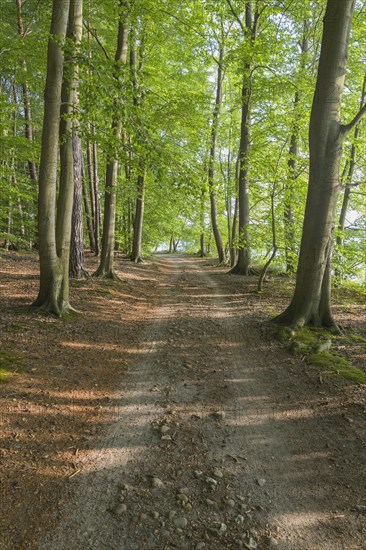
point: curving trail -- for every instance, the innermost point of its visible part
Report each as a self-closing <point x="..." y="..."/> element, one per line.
<point x="220" y="439"/>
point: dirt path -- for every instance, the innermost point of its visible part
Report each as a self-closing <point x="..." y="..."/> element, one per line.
<point x="220" y="440"/>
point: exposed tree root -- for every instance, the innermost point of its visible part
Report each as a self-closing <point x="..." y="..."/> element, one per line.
<point x="110" y="274"/>
<point x="296" y="320"/>
<point x="52" y="307"/>
<point x="245" y="272"/>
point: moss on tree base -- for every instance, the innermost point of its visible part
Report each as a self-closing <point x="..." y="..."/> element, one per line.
<point x="314" y="344"/>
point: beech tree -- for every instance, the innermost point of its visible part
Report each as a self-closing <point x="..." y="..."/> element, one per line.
<point x="311" y="301"/>
<point x="106" y="266"/>
<point x="54" y="223"/>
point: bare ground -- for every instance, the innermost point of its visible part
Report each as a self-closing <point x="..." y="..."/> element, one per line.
<point x="165" y="416"/>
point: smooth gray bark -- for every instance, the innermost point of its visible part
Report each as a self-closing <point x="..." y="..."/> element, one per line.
<point x="106" y="266"/>
<point x="311" y="303"/>
<point x="212" y="160"/>
<point x="53" y="245"/>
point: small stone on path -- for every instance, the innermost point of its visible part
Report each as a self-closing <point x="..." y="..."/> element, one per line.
<point x="156" y="482"/>
<point x="119" y="509"/>
<point x="217" y="529"/>
<point x="181" y="522"/>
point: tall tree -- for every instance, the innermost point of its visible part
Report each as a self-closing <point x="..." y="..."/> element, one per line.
<point x="77" y="267"/>
<point x="311" y="303"/>
<point x="140" y="186"/>
<point x="28" y="127"/>
<point x="212" y="157"/>
<point x="55" y="223"/>
<point x="106" y="266"/>
<point x="242" y="266"/>
<point x="289" y="191"/>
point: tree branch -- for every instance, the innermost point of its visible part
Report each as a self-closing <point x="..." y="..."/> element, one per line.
<point x="95" y="36"/>
<point x="346" y="128"/>
<point x="236" y="15"/>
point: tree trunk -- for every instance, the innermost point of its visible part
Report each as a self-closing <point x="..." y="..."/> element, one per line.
<point x="212" y="159"/>
<point x="91" y="217"/>
<point x="54" y="236"/>
<point x="171" y="247"/>
<point x="242" y="266"/>
<point x="97" y="213"/>
<point x="9" y="223"/>
<point x="203" y="249"/>
<point x="289" y="192"/>
<point x="311" y="301"/>
<point x="233" y="249"/>
<point x="89" y="220"/>
<point x="77" y="262"/>
<point x="28" y="128"/>
<point x="140" y="187"/>
<point x="289" y="200"/>
<point x="139" y="216"/>
<point x="106" y="266"/>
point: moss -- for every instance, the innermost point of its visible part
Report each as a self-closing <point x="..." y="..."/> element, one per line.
<point x="105" y="291"/>
<point x="339" y="365"/>
<point x="356" y="338"/>
<point x="9" y="365"/>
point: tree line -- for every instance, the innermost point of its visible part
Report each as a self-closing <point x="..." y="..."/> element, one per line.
<point x="226" y="126"/>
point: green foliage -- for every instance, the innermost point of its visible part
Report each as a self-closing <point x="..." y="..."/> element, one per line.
<point x="167" y="131"/>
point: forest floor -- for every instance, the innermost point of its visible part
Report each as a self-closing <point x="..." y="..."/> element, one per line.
<point x="167" y="416"/>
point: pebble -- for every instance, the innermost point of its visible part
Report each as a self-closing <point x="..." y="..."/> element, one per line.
<point x="119" y="509"/>
<point x="156" y="482"/>
<point x="200" y="545"/>
<point x="272" y="542"/>
<point x="261" y="482"/>
<point x="183" y="499"/>
<point x="230" y="502"/>
<point x="143" y="516"/>
<point x="239" y="519"/>
<point x="172" y="514"/>
<point x="198" y="473"/>
<point x="155" y="515"/>
<point x="219" y="415"/>
<point x="212" y="482"/>
<point x="217" y="528"/>
<point x="164" y="429"/>
<point x="210" y="502"/>
<point x="180" y="522"/>
<point x="184" y="491"/>
<point x="218" y="473"/>
<point x="166" y="437"/>
<point x="252" y="544"/>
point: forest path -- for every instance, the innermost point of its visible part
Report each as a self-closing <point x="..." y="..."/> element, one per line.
<point x="220" y="440"/>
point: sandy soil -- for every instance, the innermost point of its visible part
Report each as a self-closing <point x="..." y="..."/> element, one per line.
<point x="167" y="417"/>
